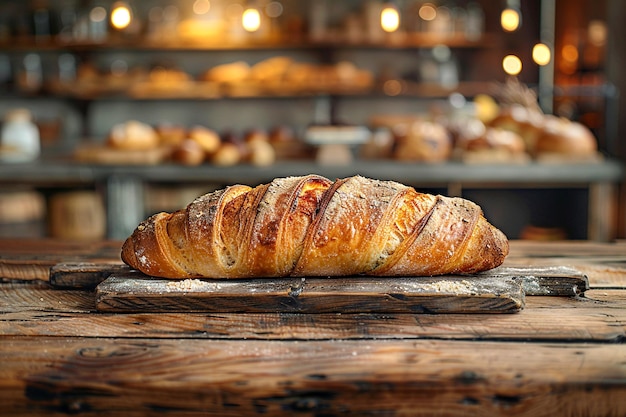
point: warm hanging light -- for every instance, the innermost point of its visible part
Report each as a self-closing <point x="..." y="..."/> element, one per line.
<point x="390" y="18"/>
<point x="510" y="19"/>
<point x="427" y="11"/>
<point x="512" y="65"/>
<point x="251" y="19"/>
<point x="569" y="53"/>
<point x="542" y="54"/>
<point x="201" y="7"/>
<point x="511" y="16"/>
<point x="121" y="15"/>
<point x="98" y="14"/>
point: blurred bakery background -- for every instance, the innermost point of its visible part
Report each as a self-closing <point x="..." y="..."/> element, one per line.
<point x="114" y="110"/>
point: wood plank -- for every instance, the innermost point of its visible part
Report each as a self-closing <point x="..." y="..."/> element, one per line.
<point x="554" y="280"/>
<point x="31" y="259"/>
<point x="39" y="310"/>
<point x="282" y="378"/>
<point x="535" y="280"/>
<point x="586" y="325"/>
<point x="83" y="274"/>
<point x="133" y="292"/>
<point x="567" y="248"/>
<point x="40" y="297"/>
<point x="601" y="273"/>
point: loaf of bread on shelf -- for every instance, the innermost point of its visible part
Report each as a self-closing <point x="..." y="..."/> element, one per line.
<point x="478" y="137"/>
<point x="228" y="154"/>
<point x="208" y="139"/>
<point x="133" y="135"/>
<point x="227" y="73"/>
<point x="546" y="134"/>
<point x="170" y="134"/>
<point x="423" y="140"/>
<point x="271" y="69"/>
<point x="259" y="151"/>
<point x="188" y="152"/>
<point x="565" y="137"/>
<point x="311" y="226"/>
<point x="526" y="122"/>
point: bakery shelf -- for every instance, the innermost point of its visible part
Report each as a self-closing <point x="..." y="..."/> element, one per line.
<point x="536" y="173"/>
<point x="124" y="185"/>
<point x="410" y="41"/>
<point x="197" y="91"/>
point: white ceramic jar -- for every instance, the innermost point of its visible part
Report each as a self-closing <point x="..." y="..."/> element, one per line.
<point x="20" y="137"/>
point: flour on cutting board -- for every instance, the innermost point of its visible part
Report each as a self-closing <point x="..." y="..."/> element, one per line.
<point x="454" y="287"/>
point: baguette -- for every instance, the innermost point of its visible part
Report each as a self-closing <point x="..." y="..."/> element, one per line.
<point x="311" y="226"/>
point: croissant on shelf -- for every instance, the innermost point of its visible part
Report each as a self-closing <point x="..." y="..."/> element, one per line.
<point x="311" y="226"/>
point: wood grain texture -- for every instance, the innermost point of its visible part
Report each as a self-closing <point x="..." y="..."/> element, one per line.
<point x="544" y="280"/>
<point x="39" y="310"/>
<point x="567" y="248"/>
<point x="133" y="292"/>
<point x="29" y="259"/>
<point x="83" y="274"/>
<point x="283" y="378"/>
<point x="560" y="356"/>
<point x="535" y="280"/>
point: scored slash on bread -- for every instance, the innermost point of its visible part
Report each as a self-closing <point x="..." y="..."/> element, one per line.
<point x="311" y="226"/>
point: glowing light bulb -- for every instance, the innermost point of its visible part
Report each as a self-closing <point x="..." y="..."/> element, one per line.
<point x="427" y="12"/>
<point x="97" y="14"/>
<point x="569" y="53"/>
<point x="597" y="32"/>
<point x="201" y="7"/>
<point x="541" y="54"/>
<point x="251" y="20"/>
<point x="390" y="19"/>
<point x="274" y="9"/>
<point x="121" y="16"/>
<point x="510" y="20"/>
<point x="512" y="65"/>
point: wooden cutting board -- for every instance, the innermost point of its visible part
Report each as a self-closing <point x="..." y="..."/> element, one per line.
<point x="135" y="292"/>
<point x="502" y="290"/>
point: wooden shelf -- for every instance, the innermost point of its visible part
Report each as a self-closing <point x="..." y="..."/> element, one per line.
<point x="409" y="41"/>
<point x="124" y="185"/>
<point x="67" y="171"/>
<point x="196" y="91"/>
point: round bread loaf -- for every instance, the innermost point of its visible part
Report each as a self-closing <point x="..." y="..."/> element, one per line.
<point x="565" y="137"/>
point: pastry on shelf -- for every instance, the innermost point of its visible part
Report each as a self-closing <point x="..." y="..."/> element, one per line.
<point x="287" y="146"/>
<point x="526" y="122"/>
<point x="493" y="145"/>
<point x="133" y="135"/>
<point x="90" y="82"/>
<point x="424" y="141"/>
<point x="170" y="134"/>
<point x="547" y="137"/>
<point x="341" y="77"/>
<point x="208" y="139"/>
<point x="232" y="79"/>
<point x="128" y="143"/>
<point x="228" y="154"/>
<point x="378" y="146"/>
<point x="188" y="152"/>
<point x="163" y="81"/>
<point x="271" y="70"/>
<point x="259" y="150"/>
<point x="232" y="72"/>
<point x="565" y="139"/>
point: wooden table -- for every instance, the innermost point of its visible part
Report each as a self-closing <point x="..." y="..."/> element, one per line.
<point x="558" y="356"/>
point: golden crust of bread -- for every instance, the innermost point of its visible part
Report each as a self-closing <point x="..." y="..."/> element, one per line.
<point x="311" y="226"/>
